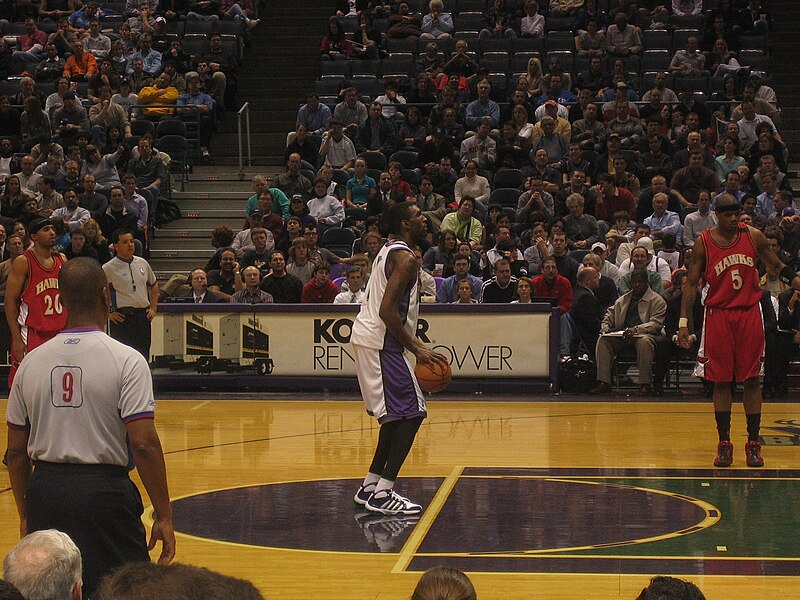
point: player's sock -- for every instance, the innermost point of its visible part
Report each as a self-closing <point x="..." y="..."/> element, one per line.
<point x="370" y="480"/>
<point x="753" y="426"/>
<point x="383" y="484"/>
<point x="724" y="425"/>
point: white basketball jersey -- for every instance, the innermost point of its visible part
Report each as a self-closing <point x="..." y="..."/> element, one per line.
<point x="369" y="330"/>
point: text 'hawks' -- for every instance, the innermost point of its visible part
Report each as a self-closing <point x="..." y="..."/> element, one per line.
<point x="47" y="284"/>
<point x="733" y="259"/>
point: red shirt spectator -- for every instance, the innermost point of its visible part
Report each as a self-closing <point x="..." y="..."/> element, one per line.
<point x="320" y="290"/>
<point x="552" y="285"/>
<point x="611" y="199"/>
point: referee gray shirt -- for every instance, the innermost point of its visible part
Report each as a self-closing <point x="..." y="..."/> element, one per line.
<point x="130" y="282"/>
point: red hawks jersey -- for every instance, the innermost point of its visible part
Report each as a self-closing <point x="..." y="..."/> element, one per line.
<point x="40" y="304"/>
<point x="731" y="272"/>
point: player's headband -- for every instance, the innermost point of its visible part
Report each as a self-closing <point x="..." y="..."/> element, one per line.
<point x="728" y="208"/>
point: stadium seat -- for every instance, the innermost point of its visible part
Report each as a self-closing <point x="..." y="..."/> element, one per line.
<point x="466" y="21"/>
<point x="335" y="67"/>
<point x="505" y="197"/>
<point x="679" y="37"/>
<point x="412" y="177"/>
<point x="565" y="60"/>
<point x="374" y="160"/>
<point x="339" y="176"/>
<point x="141" y="127"/>
<point x="519" y="63"/>
<point x="655" y="60"/>
<point x="367" y="85"/>
<point x="527" y="44"/>
<point x="757" y="60"/>
<point x="754" y="42"/>
<point x="407" y="158"/>
<point x="365" y="67"/>
<point x="559" y="40"/>
<point x="194" y="44"/>
<point x="401" y="46"/>
<point x="328" y="85"/>
<point x="509" y="178"/>
<point x="203" y="27"/>
<point x="656" y="39"/>
<point x="338" y="240"/>
<point x="495" y="62"/>
<point x="177" y="148"/>
<point x="445" y="46"/>
<point x="170" y="127"/>
<point x="503" y="44"/>
<point x="399" y="63"/>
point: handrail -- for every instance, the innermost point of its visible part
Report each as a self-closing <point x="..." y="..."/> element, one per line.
<point x="246" y="110"/>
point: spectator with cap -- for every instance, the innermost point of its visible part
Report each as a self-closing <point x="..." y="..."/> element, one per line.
<point x="639" y="316"/>
<point x="606" y="267"/>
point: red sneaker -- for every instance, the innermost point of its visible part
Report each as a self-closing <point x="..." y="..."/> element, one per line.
<point x="724" y="454"/>
<point x="753" y="453"/>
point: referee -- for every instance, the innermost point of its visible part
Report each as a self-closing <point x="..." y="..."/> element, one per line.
<point x="77" y="407"/>
<point x="134" y="294"/>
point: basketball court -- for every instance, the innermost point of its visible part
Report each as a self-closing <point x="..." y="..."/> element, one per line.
<point x="555" y="497"/>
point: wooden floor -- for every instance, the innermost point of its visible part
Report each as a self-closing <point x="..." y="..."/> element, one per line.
<point x="487" y="467"/>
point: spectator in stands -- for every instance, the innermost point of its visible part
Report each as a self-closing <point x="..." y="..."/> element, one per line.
<point x="151" y="58"/>
<point x="581" y="229"/>
<point x="473" y="186"/>
<point x="404" y="23"/>
<point x="659" y="275"/>
<point x="750" y="122"/>
<point x="545" y="137"/>
<point x="623" y="39"/>
<point x="314" y="115"/>
<point x="694" y="141"/>
<point x="97" y="43"/>
<point x="52" y="67"/>
<point x="48" y="199"/>
<point x="105" y="115"/>
<point x="337" y="149"/>
<point x="45" y="564"/>
<point x="567" y="266"/>
<point x="377" y="133"/>
<point x="198" y="279"/>
<point x="70" y="179"/>
<point x="94" y="238"/>
<point x="116" y="216"/>
<point x="595" y="78"/>
<point x="688" y="181"/>
<point x="354" y="293"/>
<point x="639" y="314"/>
<point x="447" y="291"/>
<point x="433" y="205"/>
<point x="69" y="121"/>
<point x="326" y="210"/>
<point x="194" y="104"/>
<point x="320" y="289"/>
<point x="138" y="78"/>
<point x="34" y="123"/>
<point x="660" y="92"/>
<point x="149" y="170"/>
<point x="755" y="18"/>
<point x="351" y="112"/>
<point x="101" y="168"/>
<point x="606" y="291"/>
<point x="437" y="24"/>
<point x="30" y="47"/>
<point x="305" y="145"/>
<point x="629" y="130"/>
<point x="480" y="148"/>
<point x="465" y="226"/>
<point x="105" y="76"/>
<point x="513" y="150"/>
<point x="663" y="221"/>
<point x="499" y="21"/>
<point x="135" y="204"/>
<point x="532" y="24"/>
<point x="13" y="197"/>
<point x="281" y="285"/>
<point x="689" y="62"/>
<point x="161" y="95"/>
<point x="251" y="294"/>
<point x="697" y="222"/>
<point x="552" y="285"/>
<point x="732" y="186"/>
<point x="444" y="178"/>
<point x="239" y="10"/>
<point x="73" y="216"/>
<point x="439" y="260"/>
<point x="461" y="67"/>
<point x="589" y="132"/>
<point x="227" y="280"/>
<point x="586" y="311"/>
<point x="501" y="288"/>
<point x="292" y="181"/>
<point x="556" y="91"/>
<point x="611" y="199"/>
<point x="90" y="199"/>
<point x="483" y="106"/>
<point x="335" y="45"/>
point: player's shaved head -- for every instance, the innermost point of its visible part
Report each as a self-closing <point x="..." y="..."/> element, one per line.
<point x="83" y="287"/>
<point x="727" y="203"/>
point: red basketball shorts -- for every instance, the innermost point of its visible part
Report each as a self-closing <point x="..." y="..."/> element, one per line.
<point x="732" y="344"/>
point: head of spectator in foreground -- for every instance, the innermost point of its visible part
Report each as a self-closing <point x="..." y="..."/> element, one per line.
<point x="355" y="278"/>
<point x="9" y="591"/>
<point x="198" y="279"/>
<point x="138" y="580"/>
<point x="322" y="273"/>
<point x="252" y="277"/>
<point x="444" y="583"/>
<point x="670" y="588"/>
<point x="47" y="564"/>
<point x="639" y="281"/>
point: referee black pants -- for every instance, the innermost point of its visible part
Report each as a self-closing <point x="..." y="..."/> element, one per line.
<point x="134" y="331"/>
<point x="98" y="506"/>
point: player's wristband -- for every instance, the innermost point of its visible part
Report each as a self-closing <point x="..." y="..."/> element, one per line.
<point x="683" y="322"/>
<point x="787" y="274"/>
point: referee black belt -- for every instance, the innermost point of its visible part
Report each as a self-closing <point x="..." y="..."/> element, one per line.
<point x="129" y="310"/>
<point x="80" y="468"/>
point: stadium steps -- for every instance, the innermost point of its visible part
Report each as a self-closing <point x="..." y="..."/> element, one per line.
<point x="276" y="74"/>
<point x="783" y="69"/>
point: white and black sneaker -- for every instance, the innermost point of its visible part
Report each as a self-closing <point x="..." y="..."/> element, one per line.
<point x="389" y="502"/>
<point x="363" y="494"/>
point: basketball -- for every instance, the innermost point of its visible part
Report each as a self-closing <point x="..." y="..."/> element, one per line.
<point x="434" y="377"/>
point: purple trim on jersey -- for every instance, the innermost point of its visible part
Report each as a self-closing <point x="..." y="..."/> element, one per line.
<point x="18" y="427"/>
<point x="82" y="330"/>
<point x="390" y="343"/>
<point x="139" y="417"/>
<point x="399" y="389"/>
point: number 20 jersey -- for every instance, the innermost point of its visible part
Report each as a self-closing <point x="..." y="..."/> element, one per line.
<point x="731" y="272"/>
<point x="40" y="303"/>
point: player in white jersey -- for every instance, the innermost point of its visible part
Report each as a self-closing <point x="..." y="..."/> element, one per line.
<point x="384" y="329"/>
<point x="74" y="407"/>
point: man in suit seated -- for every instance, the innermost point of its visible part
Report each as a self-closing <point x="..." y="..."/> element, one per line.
<point x="586" y="312"/>
<point x="198" y="279"/>
<point x="637" y="320"/>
